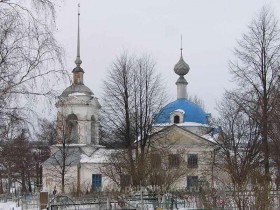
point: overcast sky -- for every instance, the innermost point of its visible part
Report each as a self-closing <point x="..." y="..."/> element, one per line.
<point x="210" y="29"/>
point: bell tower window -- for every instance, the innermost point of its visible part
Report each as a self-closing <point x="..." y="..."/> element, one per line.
<point x="176" y="119"/>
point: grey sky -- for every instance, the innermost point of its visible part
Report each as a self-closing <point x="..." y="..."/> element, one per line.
<point x="210" y="29"/>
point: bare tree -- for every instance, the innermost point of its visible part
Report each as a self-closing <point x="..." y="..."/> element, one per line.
<point x="196" y="100"/>
<point x="274" y="134"/>
<point x="18" y="161"/>
<point x="133" y="94"/>
<point x="45" y="137"/>
<point x="47" y="131"/>
<point x="30" y="57"/>
<point x="248" y="110"/>
<point x="30" y="60"/>
<point x="24" y="161"/>
<point x="239" y="155"/>
<point x="10" y="130"/>
<point x="256" y="70"/>
<point x="163" y="168"/>
<point x="64" y="159"/>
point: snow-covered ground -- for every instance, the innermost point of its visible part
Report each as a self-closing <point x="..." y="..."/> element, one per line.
<point x="9" y="206"/>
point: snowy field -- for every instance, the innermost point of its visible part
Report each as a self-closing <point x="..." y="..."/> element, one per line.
<point x="12" y="206"/>
<point x="9" y="206"/>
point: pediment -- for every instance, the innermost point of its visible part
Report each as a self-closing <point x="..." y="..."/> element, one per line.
<point x="90" y="149"/>
<point x="175" y="135"/>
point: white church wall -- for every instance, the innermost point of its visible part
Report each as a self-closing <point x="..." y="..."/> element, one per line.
<point x="52" y="178"/>
<point x="87" y="170"/>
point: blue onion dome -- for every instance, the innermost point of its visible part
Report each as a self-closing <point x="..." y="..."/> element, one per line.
<point x="191" y="112"/>
<point x="181" y="68"/>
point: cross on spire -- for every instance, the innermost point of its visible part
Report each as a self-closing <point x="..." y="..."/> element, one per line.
<point x="181" y="46"/>
<point x="78" y="60"/>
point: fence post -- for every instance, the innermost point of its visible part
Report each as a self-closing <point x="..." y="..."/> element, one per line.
<point x="44" y="199"/>
<point x="108" y="203"/>
<point x="141" y="194"/>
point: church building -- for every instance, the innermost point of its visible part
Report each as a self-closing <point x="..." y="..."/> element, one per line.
<point x="78" y="154"/>
<point x="186" y="127"/>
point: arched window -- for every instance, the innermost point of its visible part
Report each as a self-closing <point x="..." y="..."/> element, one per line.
<point x="176" y="119"/>
<point x="92" y="130"/>
<point x="72" y="129"/>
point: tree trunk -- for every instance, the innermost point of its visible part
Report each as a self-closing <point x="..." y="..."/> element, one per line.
<point x="1" y="184"/>
<point x="29" y="183"/>
<point x="23" y="183"/>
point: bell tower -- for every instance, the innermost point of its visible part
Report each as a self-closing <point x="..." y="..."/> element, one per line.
<point x="78" y="108"/>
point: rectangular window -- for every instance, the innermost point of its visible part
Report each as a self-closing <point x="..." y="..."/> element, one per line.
<point x="155" y="161"/>
<point x="174" y="160"/>
<point x="96" y="182"/>
<point x="192" y="181"/>
<point x="192" y="161"/>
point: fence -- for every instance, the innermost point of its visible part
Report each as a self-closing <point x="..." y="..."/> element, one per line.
<point x="82" y="206"/>
<point x="91" y="202"/>
<point x="30" y="203"/>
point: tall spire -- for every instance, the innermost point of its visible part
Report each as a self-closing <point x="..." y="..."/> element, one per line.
<point x="78" y="60"/>
<point x="78" y="71"/>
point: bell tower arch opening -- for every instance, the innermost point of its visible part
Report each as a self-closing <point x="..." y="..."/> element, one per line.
<point x="93" y="130"/>
<point x="72" y="129"/>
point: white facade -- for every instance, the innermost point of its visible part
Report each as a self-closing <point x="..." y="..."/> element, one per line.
<point x="182" y="141"/>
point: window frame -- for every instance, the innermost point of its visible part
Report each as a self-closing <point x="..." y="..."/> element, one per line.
<point x="192" y="160"/>
<point x="178" y="113"/>
<point x="191" y="181"/>
<point x="174" y="160"/>
<point x="96" y="182"/>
